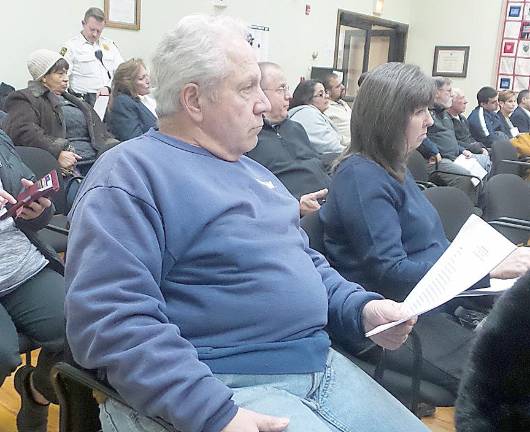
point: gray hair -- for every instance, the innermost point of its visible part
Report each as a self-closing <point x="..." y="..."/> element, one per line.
<point x="381" y="112"/>
<point x="441" y="81"/>
<point x="194" y="52"/>
<point x="266" y="68"/>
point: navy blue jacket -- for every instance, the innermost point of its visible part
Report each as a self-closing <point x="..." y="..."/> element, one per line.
<point x="485" y="125"/>
<point x="520" y="120"/>
<point x="129" y="117"/>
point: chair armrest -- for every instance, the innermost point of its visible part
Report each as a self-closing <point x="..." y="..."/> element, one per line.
<point x="82" y="377"/>
<point x="514" y="162"/>
<point x="63" y="372"/>
<point x="512" y="220"/>
<point x="456" y="174"/>
<point x="56" y="229"/>
<point x="425" y="184"/>
<point x="496" y="223"/>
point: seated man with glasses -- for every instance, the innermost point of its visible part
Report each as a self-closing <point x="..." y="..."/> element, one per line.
<point x="284" y="147"/>
<point x="307" y="106"/>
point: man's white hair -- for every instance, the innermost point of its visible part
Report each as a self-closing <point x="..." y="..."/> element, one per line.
<point x="458" y="92"/>
<point x="194" y="52"/>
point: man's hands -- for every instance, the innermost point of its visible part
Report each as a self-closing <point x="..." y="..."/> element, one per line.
<point x="250" y="421"/>
<point x="515" y="265"/>
<point x="433" y="160"/>
<point x="67" y="159"/>
<point x="377" y="312"/>
<point x="31" y="211"/>
<point x="103" y="91"/>
<point x="467" y="154"/>
<point x="309" y="202"/>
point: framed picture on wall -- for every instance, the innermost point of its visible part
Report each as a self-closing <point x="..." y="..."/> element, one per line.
<point x="124" y="14"/>
<point x="450" y="61"/>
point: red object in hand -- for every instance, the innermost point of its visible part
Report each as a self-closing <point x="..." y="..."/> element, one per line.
<point x="307" y="9"/>
<point x="43" y="187"/>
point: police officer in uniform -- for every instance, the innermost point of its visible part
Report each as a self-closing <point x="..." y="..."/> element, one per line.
<point x="93" y="58"/>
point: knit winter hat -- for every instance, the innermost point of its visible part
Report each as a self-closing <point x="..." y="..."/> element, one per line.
<point x="41" y="61"/>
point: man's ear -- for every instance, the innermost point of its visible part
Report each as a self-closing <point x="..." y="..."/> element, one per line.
<point x="191" y="102"/>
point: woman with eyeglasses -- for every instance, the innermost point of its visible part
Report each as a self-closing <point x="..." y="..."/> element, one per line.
<point x="307" y="107"/>
<point x="128" y="115"/>
<point x="45" y="115"/>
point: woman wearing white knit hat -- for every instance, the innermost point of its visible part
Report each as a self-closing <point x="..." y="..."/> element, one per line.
<point x="45" y="115"/>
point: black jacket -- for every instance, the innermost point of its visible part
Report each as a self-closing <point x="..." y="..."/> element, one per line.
<point x="520" y="120"/>
<point x="12" y="170"/>
<point x="286" y="151"/>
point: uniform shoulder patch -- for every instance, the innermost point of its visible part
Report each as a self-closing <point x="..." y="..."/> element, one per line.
<point x="63" y="51"/>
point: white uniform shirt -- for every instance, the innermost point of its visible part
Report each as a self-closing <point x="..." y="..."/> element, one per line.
<point x="340" y="113"/>
<point x="87" y="73"/>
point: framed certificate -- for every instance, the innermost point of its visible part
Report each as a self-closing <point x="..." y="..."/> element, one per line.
<point x="450" y="61"/>
<point x="123" y="14"/>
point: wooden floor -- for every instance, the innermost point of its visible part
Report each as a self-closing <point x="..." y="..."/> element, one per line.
<point x="10" y="403"/>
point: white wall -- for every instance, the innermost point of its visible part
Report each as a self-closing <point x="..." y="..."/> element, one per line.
<point x="455" y="22"/>
<point x="294" y="36"/>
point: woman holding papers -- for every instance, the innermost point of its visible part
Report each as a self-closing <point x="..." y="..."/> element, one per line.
<point x="380" y="230"/>
<point x="31" y="293"/>
<point x="45" y="115"/>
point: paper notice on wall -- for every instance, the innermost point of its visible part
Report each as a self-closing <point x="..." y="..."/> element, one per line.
<point x="477" y="249"/>
<point x="122" y="11"/>
<point x="259" y="40"/>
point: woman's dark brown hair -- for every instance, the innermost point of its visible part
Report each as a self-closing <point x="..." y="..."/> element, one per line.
<point x="125" y="77"/>
<point x="387" y="98"/>
<point x="303" y="93"/>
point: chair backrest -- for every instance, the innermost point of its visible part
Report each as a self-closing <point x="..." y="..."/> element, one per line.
<point x="41" y="163"/>
<point x="453" y="206"/>
<point x="314" y="229"/>
<point x="508" y="195"/>
<point x="417" y="166"/>
<point x="500" y="151"/>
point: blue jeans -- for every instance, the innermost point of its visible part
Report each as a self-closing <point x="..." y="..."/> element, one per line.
<point x="341" y="398"/>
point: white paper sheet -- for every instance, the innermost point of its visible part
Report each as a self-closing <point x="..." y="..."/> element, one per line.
<point x="101" y="106"/>
<point x="474" y="168"/>
<point x="476" y="250"/>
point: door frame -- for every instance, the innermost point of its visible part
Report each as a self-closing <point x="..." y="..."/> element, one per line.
<point x="397" y="31"/>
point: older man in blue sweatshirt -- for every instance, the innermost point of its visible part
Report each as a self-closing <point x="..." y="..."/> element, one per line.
<point x="191" y="286"/>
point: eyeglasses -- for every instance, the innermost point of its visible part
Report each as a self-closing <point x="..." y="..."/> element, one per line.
<point x="321" y="94"/>
<point x="284" y="88"/>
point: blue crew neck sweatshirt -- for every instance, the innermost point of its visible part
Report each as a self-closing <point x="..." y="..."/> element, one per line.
<point x="182" y="264"/>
